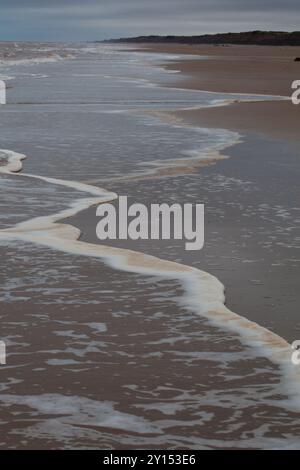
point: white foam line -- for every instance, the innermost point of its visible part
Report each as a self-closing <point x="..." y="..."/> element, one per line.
<point x="169" y="56"/>
<point x="32" y="61"/>
<point x="204" y="293"/>
<point x="14" y="166"/>
<point x="249" y="97"/>
<point x="235" y="97"/>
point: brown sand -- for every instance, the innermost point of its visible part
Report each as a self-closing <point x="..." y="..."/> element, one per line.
<point x="241" y="69"/>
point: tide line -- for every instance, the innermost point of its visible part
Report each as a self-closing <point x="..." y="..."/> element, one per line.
<point x="204" y="293"/>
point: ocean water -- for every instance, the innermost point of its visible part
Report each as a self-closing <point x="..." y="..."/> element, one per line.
<point x="109" y="347"/>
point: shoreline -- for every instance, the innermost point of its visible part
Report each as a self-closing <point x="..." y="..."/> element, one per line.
<point x="274" y="126"/>
<point x="266" y="70"/>
<point x="203" y="292"/>
<point x="239" y="69"/>
<point x="172" y="326"/>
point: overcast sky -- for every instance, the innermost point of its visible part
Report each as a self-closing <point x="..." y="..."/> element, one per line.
<point x="101" y="19"/>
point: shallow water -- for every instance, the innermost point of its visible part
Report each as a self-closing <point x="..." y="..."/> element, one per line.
<point x="99" y="357"/>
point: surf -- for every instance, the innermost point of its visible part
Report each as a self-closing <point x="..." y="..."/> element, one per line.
<point x="203" y="293"/>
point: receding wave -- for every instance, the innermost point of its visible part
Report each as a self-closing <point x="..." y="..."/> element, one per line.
<point x="203" y="293"/>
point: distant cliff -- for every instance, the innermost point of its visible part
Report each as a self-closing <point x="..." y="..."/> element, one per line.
<point x="264" y="38"/>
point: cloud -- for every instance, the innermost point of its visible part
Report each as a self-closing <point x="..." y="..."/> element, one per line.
<point x="99" y="19"/>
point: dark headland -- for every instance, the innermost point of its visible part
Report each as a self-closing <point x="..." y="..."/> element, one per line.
<point x="264" y="38"/>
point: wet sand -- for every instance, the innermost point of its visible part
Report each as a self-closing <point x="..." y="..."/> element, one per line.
<point x="240" y="69"/>
<point x="159" y="376"/>
<point x="258" y="269"/>
<point x="248" y="245"/>
<point x="95" y="391"/>
<point x="265" y="70"/>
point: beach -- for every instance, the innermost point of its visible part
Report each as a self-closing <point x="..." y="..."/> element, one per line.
<point x="131" y="344"/>
<point x="245" y="69"/>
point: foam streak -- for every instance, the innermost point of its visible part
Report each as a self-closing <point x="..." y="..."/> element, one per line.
<point x="204" y="293"/>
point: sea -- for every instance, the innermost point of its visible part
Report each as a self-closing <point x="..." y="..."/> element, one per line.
<point x="126" y="344"/>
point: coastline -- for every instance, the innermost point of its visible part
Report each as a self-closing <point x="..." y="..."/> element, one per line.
<point x="203" y="292"/>
<point x="268" y="70"/>
<point x="263" y="142"/>
<point x="231" y="189"/>
<point x="269" y="132"/>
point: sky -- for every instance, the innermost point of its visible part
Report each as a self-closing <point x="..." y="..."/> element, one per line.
<point x="80" y="20"/>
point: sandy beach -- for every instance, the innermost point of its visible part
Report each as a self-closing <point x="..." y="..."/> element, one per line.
<point x="240" y="69"/>
<point x="267" y="70"/>
<point x="268" y="155"/>
<point x="136" y="349"/>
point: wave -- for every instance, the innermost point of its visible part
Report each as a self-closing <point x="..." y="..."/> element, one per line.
<point x="203" y="293"/>
<point x="191" y="160"/>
